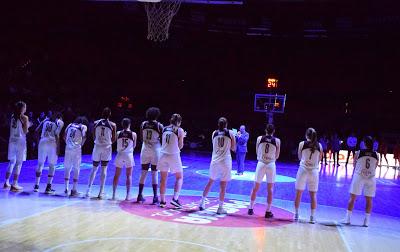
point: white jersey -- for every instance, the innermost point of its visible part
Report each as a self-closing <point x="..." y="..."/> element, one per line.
<point x="151" y="132"/>
<point x="50" y="130"/>
<point x="266" y="149"/>
<point x="222" y="143"/>
<point x="126" y="141"/>
<point x="16" y="130"/>
<point x="309" y="158"/>
<point x="170" y="140"/>
<point x="366" y="163"/>
<point x="103" y="132"/>
<point x="75" y="133"/>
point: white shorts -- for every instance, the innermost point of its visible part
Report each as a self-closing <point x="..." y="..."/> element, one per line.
<point x="47" y="149"/>
<point x="309" y="177"/>
<point x="72" y="159"/>
<point x="124" y="159"/>
<point x="149" y="156"/>
<point x="170" y="162"/>
<point x="17" y="150"/>
<point x="221" y="170"/>
<point x="360" y="184"/>
<point x="101" y="153"/>
<point x="264" y="169"/>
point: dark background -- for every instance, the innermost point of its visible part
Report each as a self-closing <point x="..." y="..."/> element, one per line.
<point x="84" y="55"/>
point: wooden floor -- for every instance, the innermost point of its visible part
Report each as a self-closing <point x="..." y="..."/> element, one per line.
<point x="101" y="225"/>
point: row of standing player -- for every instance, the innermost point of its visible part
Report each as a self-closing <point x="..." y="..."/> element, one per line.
<point x="161" y="152"/>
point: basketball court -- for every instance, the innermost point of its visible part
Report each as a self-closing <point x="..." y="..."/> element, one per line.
<point x="37" y="222"/>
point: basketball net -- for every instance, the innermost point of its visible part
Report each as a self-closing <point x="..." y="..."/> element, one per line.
<point x="159" y="17"/>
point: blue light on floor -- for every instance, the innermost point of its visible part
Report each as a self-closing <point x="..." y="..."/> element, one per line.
<point x="249" y="176"/>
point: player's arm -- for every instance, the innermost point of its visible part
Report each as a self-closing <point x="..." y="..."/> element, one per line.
<point x="141" y="133"/>
<point x="25" y="123"/>
<point x="278" y="148"/>
<point x="299" y="150"/>
<point x="114" y="132"/>
<point x="84" y="131"/>
<point x="181" y="136"/>
<point x="321" y="153"/>
<point x="134" y="139"/>
<point x="233" y="141"/>
<point x="258" y="143"/>
<point x="355" y="158"/>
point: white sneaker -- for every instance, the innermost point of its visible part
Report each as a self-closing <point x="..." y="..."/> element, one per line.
<point x="102" y="195"/>
<point x="221" y="211"/>
<point x="312" y="219"/>
<point x="366" y="222"/>
<point x="345" y="221"/>
<point x="16" y="188"/>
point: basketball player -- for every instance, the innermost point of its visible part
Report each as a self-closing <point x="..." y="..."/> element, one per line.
<point x="75" y="137"/>
<point x="170" y="159"/>
<point x="104" y="134"/>
<point x="365" y="163"/>
<point x="17" y="145"/>
<point x="126" y="143"/>
<point x="223" y="141"/>
<point x="268" y="149"/>
<point x="310" y="154"/>
<point x="150" y="131"/>
<point x="48" y="149"/>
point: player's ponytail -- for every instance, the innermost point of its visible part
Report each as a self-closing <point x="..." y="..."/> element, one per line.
<point x="311" y="135"/>
<point x="222" y="123"/>
<point x="176" y="119"/>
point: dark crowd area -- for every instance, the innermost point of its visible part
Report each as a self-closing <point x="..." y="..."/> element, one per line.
<point x="78" y="58"/>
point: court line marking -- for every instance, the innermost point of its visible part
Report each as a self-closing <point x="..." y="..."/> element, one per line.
<point x="131" y="238"/>
<point x="15" y="220"/>
<point x="342" y="235"/>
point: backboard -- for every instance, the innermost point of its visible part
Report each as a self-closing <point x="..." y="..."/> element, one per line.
<point x="269" y="103"/>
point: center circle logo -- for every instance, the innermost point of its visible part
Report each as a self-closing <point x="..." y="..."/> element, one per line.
<point x="190" y="214"/>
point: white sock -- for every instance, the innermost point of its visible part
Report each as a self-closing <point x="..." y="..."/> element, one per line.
<point x="7" y="181"/>
<point x="37" y="180"/>
<point x="348" y="215"/>
<point x="50" y="179"/>
<point x="269" y="207"/>
<point x="252" y="202"/>
<point x="162" y="197"/>
<point x="176" y="195"/>
<point x="203" y="199"/>
<point x="66" y="183"/>
<point x="74" y="185"/>
<point x="366" y="220"/>
<point x="312" y="212"/>
<point x="221" y="204"/>
<point x="296" y="211"/>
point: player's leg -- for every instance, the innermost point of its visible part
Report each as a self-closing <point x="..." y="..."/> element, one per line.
<point x="313" y="196"/>
<point x="142" y="180"/>
<point x="368" y="209"/>
<point x="205" y="193"/>
<point x="52" y="160"/>
<point x="128" y="182"/>
<point x="253" y="197"/>
<point x="67" y="172"/>
<point x="177" y="189"/>
<point x="9" y="171"/>
<point x="42" y="154"/>
<point x="92" y="176"/>
<point x="77" y="169"/>
<point x="115" y="181"/>
<point x="387" y="163"/>
<point x="297" y="200"/>
<point x="154" y="183"/>
<point x="222" y="190"/>
<point x="349" y="151"/>
<point x="17" y="170"/>
<point x="163" y="183"/>
<point x="349" y="211"/>
<point x="300" y="185"/>
<point x="103" y="177"/>
<point x="270" y="189"/>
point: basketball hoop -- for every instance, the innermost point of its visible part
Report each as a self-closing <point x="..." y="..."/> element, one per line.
<point x="159" y="17"/>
